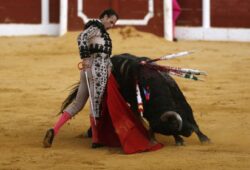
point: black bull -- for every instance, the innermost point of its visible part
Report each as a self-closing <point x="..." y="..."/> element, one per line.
<point x="166" y="110"/>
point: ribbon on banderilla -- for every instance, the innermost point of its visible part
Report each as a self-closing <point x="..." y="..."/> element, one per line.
<point x="176" y="71"/>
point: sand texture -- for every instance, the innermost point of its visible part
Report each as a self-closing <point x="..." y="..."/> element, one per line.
<point x="36" y="74"/>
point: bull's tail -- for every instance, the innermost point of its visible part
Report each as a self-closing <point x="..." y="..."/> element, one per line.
<point x="70" y="98"/>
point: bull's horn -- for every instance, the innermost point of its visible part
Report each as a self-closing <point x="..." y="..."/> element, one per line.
<point x="178" y="117"/>
<point x="166" y="115"/>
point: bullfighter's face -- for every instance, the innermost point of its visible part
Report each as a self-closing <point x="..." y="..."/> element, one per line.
<point x="109" y="22"/>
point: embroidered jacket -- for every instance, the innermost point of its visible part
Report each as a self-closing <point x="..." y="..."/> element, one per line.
<point x="94" y="39"/>
<point x="95" y="44"/>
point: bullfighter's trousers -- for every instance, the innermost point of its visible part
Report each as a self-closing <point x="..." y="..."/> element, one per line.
<point x="94" y="84"/>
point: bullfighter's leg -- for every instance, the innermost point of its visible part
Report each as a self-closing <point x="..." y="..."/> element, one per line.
<point x="77" y="105"/>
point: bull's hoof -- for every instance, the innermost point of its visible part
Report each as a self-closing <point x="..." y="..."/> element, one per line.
<point x="204" y="139"/>
<point x="96" y="145"/>
<point x="82" y="135"/>
<point x="179" y="143"/>
<point x="48" y="139"/>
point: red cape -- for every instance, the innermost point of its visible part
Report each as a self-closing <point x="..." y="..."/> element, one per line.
<point x="118" y="125"/>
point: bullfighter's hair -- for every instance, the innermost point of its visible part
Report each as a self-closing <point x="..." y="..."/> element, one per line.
<point x="109" y="12"/>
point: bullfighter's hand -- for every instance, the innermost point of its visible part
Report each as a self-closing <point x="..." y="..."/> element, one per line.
<point x="84" y="65"/>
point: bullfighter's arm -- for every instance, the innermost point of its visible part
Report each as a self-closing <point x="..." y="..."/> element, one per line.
<point x="83" y="40"/>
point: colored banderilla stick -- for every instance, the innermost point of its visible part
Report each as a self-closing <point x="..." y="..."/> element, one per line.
<point x="171" y="56"/>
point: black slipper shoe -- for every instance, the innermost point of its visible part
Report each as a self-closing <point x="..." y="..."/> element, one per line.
<point x="48" y="139"/>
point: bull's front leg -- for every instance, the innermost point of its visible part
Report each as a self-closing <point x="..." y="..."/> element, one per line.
<point x="151" y="133"/>
<point x="178" y="140"/>
<point x="203" y="138"/>
<point x="152" y="136"/>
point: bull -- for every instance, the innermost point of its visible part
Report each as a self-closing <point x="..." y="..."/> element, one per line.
<point x="165" y="107"/>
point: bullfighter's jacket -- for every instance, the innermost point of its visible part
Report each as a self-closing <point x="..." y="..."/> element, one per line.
<point x="95" y="46"/>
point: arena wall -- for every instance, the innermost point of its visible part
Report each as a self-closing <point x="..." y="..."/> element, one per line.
<point x="26" y="17"/>
<point x="223" y="20"/>
<point x="145" y="15"/>
<point x="199" y="19"/>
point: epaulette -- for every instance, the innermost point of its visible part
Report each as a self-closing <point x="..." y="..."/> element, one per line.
<point x="95" y="23"/>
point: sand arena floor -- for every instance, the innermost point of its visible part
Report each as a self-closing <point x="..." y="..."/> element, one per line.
<point x="35" y="74"/>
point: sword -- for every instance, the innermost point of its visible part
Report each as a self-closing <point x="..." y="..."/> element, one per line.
<point x="81" y="67"/>
<point x="91" y="102"/>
